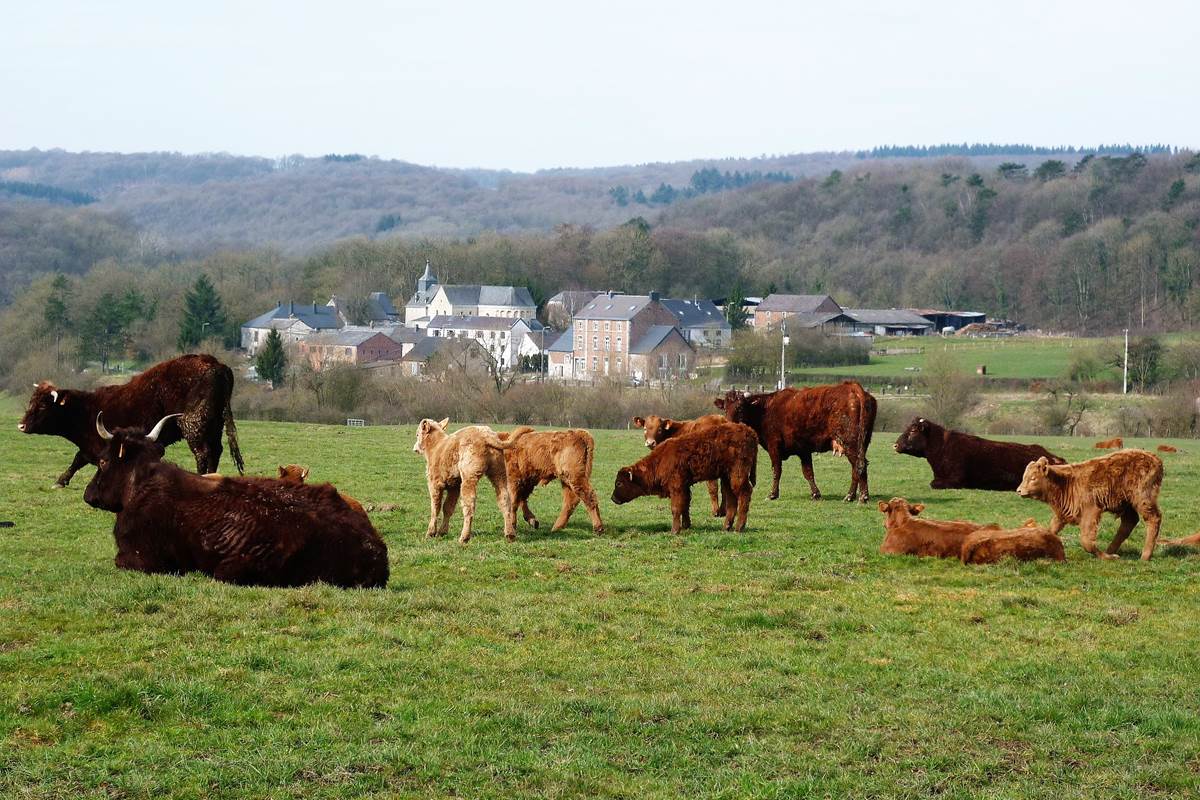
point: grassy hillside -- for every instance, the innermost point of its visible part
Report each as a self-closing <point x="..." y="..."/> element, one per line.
<point x="792" y="660"/>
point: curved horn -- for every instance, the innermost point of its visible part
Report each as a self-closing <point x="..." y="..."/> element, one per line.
<point x="157" y="429"/>
<point x="54" y="396"/>
<point x="100" y="429"/>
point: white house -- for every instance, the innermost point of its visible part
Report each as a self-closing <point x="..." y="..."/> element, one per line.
<point x="506" y="339"/>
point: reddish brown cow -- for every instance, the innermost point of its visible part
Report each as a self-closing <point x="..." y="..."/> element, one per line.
<point x="659" y="429"/>
<point x="1125" y="483"/>
<point x="1027" y="543"/>
<point x="194" y="388"/>
<point x="1110" y="444"/>
<point x="726" y="453"/>
<point x="565" y="456"/>
<point x="1166" y="448"/>
<point x="906" y="535"/>
<point x="962" y="461"/>
<point x="295" y="473"/>
<point x="800" y="422"/>
<point x="257" y="531"/>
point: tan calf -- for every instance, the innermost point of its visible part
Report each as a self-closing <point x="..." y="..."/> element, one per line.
<point x="1125" y="483"/>
<point x="454" y="464"/>
<point x="1026" y="543"/>
<point x="906" y="535"/>
<point x="565" y="456"/>
<point x="1110" y="444"/>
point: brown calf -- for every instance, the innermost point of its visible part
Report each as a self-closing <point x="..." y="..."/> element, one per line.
<point x="1125" y="483"/>
<point x="454" y="464"/>
<point x="294" y="473"/>
<point x="1110" y="444"/>
<point x="1166" y="448"/>
<point x="565" y="456"/>
<point x="905" y="535"/>
<point x="1026" y="543"/>
<point x="727" y="453"/>
<point x="659" y="429"/>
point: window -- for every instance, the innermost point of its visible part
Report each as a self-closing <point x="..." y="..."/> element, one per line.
<point x="618" y="344"/>
<point x="595" y="325"/>
<point x="349" y="351"/>
<point x="595" y="363"/>
<point x="662" y="361"/>
<point x="595" y="343"/>
<point x="683" y="361"/>
<point x="618" y="363"/>
<point x="606" y="344"/>
<point x="606" y="324"/>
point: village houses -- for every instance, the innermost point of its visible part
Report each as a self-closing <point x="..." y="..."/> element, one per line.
<point x="624" y="335"/>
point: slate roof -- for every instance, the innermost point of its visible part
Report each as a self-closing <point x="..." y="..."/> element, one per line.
<point x="381" y="307"/>
<point x="621" y="306"/>
<point x="342" y="338"/>
<point x="446" y="322"/>
<point x="798" y="303"/>
<point x="432" y="345"/>
<point x="397" y="332"/>
<point x="483" y="295"/>
<point x="696" y="314"/>
<point x="813" y="320"/>
<point x="314" y="316"/>
<point x="655" y="336"/>
<point x="893" y="317"/>
<point x="565" y="343"/>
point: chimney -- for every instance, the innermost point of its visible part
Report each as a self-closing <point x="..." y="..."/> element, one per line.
<point x="611" y="294"/>
<point x="654" y="297"/>
<point x="292" y="307"/>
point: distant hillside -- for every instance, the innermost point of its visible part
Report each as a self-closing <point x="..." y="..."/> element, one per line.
<point x="198" y="202"/>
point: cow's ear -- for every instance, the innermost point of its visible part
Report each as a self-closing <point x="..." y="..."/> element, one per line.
<point x="916" y="508"/>
<point x="1030" y="523"/>
<point x="444" y="423"/>
<point x="719" y="403"/>
<point x="304" y="473"/>
<point x="630" y="473"/>
<point x="282" y="471"/>
<point x="884" y="506"/>
<point x="62" y="398"/>
<point x="638" y="422"/>
<point x="667" y="425"/>
<point x="1043" y="461"/>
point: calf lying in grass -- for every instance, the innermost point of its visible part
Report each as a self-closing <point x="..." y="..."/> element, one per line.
<point x="905" y="534"/>
<point x="1027" y="543"/>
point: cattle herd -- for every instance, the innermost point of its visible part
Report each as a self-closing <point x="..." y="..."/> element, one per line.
<point x="282" y="531"/>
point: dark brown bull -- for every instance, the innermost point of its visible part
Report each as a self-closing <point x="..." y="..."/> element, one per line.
<point x="962" y="461"/>
<point x="800" y="422"/>
<point x="196" y="387"/>
<point x="250" y="531"/>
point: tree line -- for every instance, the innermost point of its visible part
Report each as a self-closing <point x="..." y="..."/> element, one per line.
<point x="990" y="149"/>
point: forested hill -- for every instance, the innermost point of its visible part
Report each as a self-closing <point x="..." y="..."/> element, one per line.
<point x="296" y="204"/>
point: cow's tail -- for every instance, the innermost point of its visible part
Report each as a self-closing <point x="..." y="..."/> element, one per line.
<point x="869" y="410"/>
<point x="511" y="440"/>
<point x="589" y="453"/>
<point x="230" y="427"/>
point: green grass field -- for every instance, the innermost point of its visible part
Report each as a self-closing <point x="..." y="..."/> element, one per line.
<point x="1023" y="357"/>
<point x="790" y="661"/>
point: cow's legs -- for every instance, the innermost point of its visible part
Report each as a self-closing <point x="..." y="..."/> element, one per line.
<point x="77" y="463"/>
<point x="449" y="503"/>
<point x="858" y="476"/>
<point x="806" y="465"/>
<point x="687" y="507"/>
<point x="744" y="493"/>
<point x="581" y="490"/>
<point x="1089" y="526"/>
<point x="504" y="500"/>
<point x="730" y="507"/>
<point x="467" y="495"/>
<point x="1153" y="518"/>
<point x="680" y="500"/>
<point x="718" y="508"/>
<point x="776" y="472"/>
<point x="435" y="503"/>
<point x="520" y="498"/>
<point x="1129" y="520"/>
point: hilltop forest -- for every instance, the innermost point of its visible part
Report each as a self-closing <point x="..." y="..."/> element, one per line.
<point x="1071" y="241"/>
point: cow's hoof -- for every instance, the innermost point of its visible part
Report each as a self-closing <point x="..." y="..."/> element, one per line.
<point x="533" y="523"/>
<point x="1109" y="556"/>
<point x="815" y="495"/>
<point x="597" y="529"/>
<point x="775" y="496"/>
<point x="57" y="485"/>
<point x="510" y="537"/>
<point x="848" y="498"/>
<point x="464" y="539"/>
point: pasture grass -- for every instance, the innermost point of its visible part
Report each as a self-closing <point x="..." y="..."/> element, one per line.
<point x="1027" y="358"/>
<point x="790" y="661"/>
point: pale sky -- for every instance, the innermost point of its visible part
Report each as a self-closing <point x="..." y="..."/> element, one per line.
<point x="526" y="85"/>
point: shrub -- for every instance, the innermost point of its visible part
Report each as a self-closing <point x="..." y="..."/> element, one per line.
<point x="952" y="390"/>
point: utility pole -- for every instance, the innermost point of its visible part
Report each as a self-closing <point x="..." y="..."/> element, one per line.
<point x="1125" y="371"/>
<point x="783" y="343"/>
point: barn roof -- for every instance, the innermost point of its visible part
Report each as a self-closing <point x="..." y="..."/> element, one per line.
<point x="484" y="295"/>
<point x="895" y="317"/>
<point x="798" y="303"/>
<point x="620" y="306"/>
<point x="655" y="336"/>
<point x="696" y="313"/>
<point x="315" y="316"/>
<point x="565" y="343"/>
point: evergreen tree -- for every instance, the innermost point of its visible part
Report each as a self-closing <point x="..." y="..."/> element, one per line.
<point x="55" y="312"/>
<point x="735" y="311"/>
<point x="271" y="361"/>
<point x="203" y="315"/>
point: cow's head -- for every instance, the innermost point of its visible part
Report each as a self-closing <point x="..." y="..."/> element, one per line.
<point x="48" y="410"/>
<point x="428" y="432"/>
<point x="915" y="438"/>
<point x="627" y="487"/>
<point x="740" y="406"/>
<point x="127" y="449"/>
<point x="1037" y="479"/>
<point x="293" y="473"/>
<point x="898" y="510"/>
<point x="657" y="429"/>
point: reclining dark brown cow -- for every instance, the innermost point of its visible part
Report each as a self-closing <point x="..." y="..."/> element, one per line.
<point x="800" y="422"/>
<point x="196" y="387"/>
<point x="251" y="531"/>
<point x="962" y="461"/>
<point x="659" y="429"/>
<point x="1125" y="484"/>
<point x="727" y="453"/>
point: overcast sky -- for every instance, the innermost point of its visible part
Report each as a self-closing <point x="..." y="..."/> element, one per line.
<point x="526" y="85"/>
